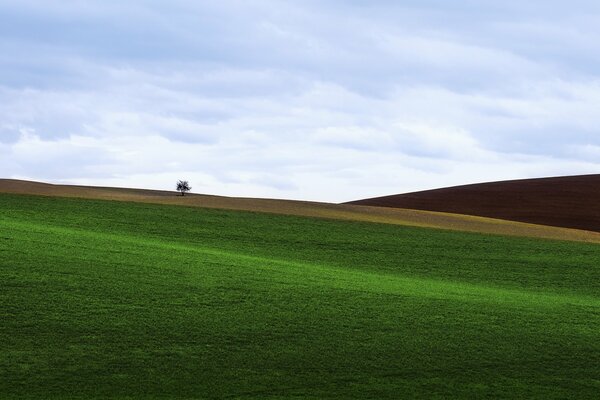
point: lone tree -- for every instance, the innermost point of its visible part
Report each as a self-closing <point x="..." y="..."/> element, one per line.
<point x="183" y="186"/>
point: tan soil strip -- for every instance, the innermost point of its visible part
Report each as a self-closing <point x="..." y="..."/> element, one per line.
<point x="310" y="209"/>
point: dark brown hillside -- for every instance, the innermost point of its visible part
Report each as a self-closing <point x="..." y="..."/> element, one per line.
<point x="570" y="202"/>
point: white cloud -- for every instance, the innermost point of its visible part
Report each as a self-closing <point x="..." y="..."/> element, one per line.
<point x="311" y="100"/>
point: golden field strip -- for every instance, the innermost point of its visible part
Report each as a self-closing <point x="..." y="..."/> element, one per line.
<point x="348" y="212"/>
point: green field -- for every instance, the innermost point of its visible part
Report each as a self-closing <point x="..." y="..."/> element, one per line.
<point x="104" y="299"/>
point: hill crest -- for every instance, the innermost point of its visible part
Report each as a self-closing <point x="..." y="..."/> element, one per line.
<point x="568" y="201"/>
<point x="348" y="212"/>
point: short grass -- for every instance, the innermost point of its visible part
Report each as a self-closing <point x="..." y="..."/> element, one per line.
<point x="105" y="299"/>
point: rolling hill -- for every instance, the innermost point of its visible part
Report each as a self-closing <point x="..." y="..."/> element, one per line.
<point x="348" y="212"/>
<point x="121" y="300"/>
<point x="569" y="202"/>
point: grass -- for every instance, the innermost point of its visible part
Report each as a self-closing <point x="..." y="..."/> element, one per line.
<point x="106" y="299"/>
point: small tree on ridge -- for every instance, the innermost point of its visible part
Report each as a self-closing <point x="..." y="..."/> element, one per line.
<point x="183" y="186"/>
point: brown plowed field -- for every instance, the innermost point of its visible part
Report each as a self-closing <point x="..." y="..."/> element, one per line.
<point x="570" y="202"/>
<point x="308" y="209"/>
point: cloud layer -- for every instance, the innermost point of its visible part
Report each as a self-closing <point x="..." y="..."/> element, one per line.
<point x="309" y="100"/>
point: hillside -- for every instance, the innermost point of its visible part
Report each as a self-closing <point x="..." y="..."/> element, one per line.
<point x="305" y="208"/>
<point x="109" y="299"/>
<point x="569" y="202"/>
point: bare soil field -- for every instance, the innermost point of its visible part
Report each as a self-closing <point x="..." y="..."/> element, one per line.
<point x="569" y="202"/>
<point x="350" y="212"/>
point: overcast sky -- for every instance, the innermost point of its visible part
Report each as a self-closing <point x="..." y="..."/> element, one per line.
<point x="317" y="100"/>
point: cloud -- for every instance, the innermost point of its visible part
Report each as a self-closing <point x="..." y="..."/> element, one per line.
<point x="309" y="100"/>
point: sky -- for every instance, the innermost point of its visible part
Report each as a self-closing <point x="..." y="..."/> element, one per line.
<point x="314" y="100"/>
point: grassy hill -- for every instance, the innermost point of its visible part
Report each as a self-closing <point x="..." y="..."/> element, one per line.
<point x="107" y="299"/>
<point x="570" y="201"/>
<point x="348" y="212"/>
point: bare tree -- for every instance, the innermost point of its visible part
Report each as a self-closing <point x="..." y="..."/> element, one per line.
<point x="183" y="186"/>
